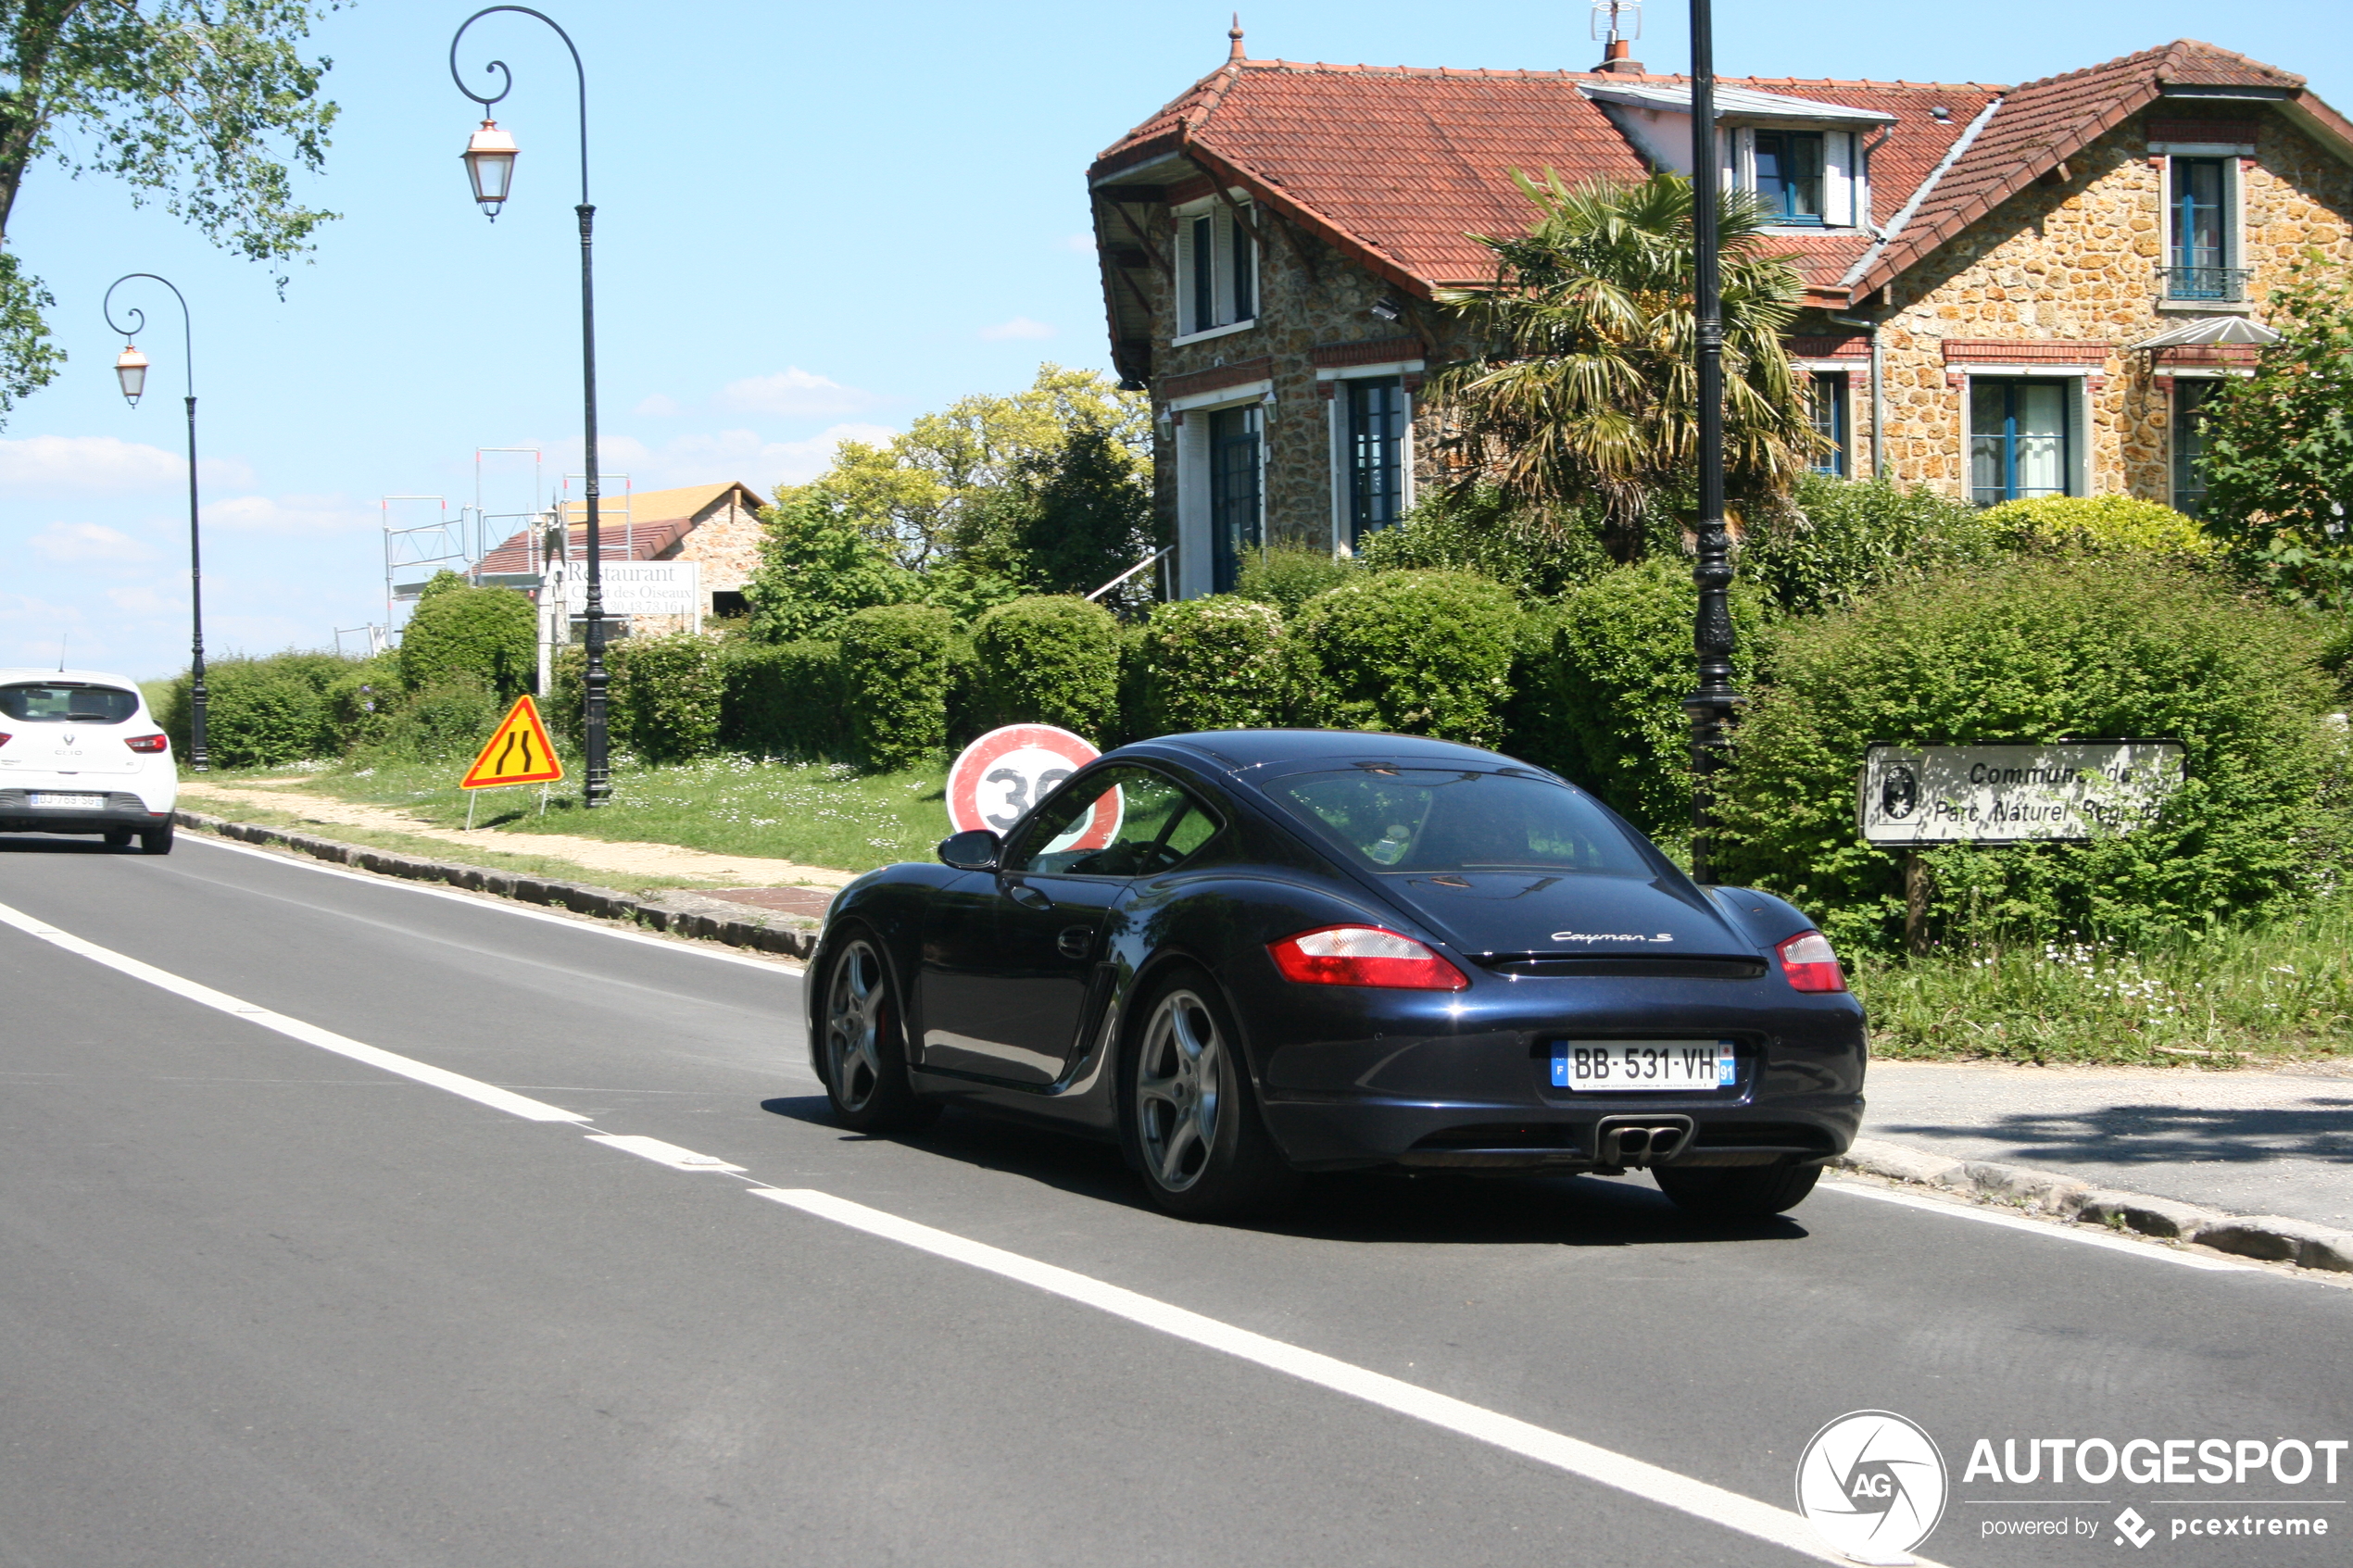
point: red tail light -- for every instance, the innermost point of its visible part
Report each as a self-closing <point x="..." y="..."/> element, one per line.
<point x="1364" y="955"/>
<point x="1810" y="964"/>
<point x="148" y="743"/>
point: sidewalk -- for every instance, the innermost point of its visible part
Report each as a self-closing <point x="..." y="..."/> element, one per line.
<point x="2249" y="1142"/>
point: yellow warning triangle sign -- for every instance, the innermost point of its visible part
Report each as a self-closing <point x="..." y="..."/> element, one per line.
<point x="518" y="753"/>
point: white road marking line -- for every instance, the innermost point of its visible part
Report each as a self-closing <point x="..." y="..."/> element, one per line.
<point x="292" y="1028"/>
<point x="661" y="1153"/>
<point x="2036" y="1227"/>
<point x="1650" y="1482"/>
<point x="505" y="906"/>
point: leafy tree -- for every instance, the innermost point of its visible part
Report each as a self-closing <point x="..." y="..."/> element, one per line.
<point x="1586" y="393"/>
<point x="2279" y="445"/>
<point x="1087" y="514"/>
<point x="198" y="103"/>
<point x="818" y="566"/>
<point x="932" y="490"/>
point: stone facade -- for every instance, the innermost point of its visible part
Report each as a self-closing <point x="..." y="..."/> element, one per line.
<point x="2077" y="262"/>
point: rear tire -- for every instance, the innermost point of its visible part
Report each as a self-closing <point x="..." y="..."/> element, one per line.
<point x="1737" y="1192"/>
<point x="865" y="1049"/>
<point x="1191" y="1115"/>
<point x="154" y="841"/>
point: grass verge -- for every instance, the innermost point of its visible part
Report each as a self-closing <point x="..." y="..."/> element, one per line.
<point x="816" y="813"/>
<point x="2227" y="999"/>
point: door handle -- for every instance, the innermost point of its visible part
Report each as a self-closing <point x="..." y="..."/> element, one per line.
<point x="1075" y="941"/>
<point x="1027" y="896"/>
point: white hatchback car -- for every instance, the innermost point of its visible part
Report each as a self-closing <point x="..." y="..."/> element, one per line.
<point x="80" y="753"/>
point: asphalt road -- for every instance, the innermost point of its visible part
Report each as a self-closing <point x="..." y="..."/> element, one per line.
<point x="265" y="1304"/>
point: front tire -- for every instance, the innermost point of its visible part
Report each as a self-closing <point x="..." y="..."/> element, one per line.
<point x="1192" y="1115"/>
<point x="1737" y="1192"/>
<point x="865" y="1049"/>
<point x="156" y="841"/>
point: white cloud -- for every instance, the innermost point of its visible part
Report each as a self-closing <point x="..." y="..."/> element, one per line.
<point x="1083" y="244"/>
<point x="288" y="514"/>
<point x="87" y="541"/>
<point x="758" y="462"/>
<point x="792" y="391"/>
<point x="146" y="600"/>
<point x="659" y="407"/>
<point x="84" y="465"/>
<point x="1019" y="327"/>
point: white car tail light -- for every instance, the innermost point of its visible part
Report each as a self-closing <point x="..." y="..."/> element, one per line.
<point x="1364" y="955"/>
<point x="1810" y="963"/>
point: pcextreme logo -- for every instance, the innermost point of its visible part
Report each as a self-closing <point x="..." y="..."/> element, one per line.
<point x="1872" y="1484"/>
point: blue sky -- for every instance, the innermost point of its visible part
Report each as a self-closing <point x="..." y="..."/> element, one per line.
<point x="811" y="219"/>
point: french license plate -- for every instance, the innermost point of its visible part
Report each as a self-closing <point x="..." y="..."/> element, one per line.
<point x="1642" y="1066"/>
<point x="69" y="802"/>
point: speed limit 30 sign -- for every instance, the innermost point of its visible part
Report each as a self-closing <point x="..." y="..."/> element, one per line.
<point x="1006" y="771"/>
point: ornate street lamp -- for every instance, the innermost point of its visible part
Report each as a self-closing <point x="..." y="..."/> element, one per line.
<point x="131" y="369"/>
<point x="1712" y="706"/>
<point x="490" y="167"/>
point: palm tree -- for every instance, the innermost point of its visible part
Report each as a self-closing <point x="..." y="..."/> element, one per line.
<point x="1587" y="391"/>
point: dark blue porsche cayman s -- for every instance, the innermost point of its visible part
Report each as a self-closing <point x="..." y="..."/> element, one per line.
<point x="1249" y="954"/>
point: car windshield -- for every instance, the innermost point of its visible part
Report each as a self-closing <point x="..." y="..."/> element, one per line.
<point x="66" y="703"/>
<point x="1424" y="820"/>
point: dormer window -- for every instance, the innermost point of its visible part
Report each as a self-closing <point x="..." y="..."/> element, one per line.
<point x="1789" y="175"/>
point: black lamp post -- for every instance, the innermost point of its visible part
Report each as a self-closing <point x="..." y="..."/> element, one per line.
<point x="1712" y="704"/>
<point x="490" y="166"/>
<point x="131" y="369"/>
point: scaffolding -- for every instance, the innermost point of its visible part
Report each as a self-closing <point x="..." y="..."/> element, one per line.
<point x="415" y="551"/>
<point x="616" y="539"/>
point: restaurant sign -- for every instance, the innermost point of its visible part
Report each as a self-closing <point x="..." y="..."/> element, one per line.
<point x="2073" y="790"/>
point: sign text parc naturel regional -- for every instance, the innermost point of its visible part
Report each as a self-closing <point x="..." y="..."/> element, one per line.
<point x="2068" y="790"/>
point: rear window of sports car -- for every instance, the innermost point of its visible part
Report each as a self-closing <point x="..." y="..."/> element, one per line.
<point x="1420" y="819"/>
<point x="68" y="704"/>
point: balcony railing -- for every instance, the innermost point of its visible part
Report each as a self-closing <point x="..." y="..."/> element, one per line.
<point x="2227" y="285"/>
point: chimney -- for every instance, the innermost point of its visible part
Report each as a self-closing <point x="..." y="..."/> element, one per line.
<point x="1619" y="62"/>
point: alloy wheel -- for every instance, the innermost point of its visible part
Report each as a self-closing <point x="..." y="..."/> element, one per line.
<point x="857" y="1012"/>
<point x="1180" y="1090"/>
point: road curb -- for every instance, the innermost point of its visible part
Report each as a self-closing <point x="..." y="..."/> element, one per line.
<point x="2272" y="1237"/>
<point x="679" y="912"/>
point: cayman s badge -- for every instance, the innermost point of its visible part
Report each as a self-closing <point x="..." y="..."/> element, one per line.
<point x="1610" y="936"/>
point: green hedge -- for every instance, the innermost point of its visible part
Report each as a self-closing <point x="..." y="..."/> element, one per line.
<point x="491" y="634"/>
<point x="1207" y="664"/>
<point x="1424" y="653"/>
<point x="1604" y="702"/>
<point x="2038" y="650"/>
<point x="784" y="699"/>
<point x="1050" y="661"/>
<point x="1287" y="576"/>
<point x="260" y="712"/>
<point x="894" y="666"/>
<point x="2108" y="525"/>
<point x="666" y="695"/>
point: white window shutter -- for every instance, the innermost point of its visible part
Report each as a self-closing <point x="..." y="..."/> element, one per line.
<point x="1838" y="179"/>
<point x="1183" y="246"/>
<point x="1222" y="248"/>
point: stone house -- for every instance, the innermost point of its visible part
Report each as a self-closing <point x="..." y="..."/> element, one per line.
<point x="2008" y="291"/>
<point x="714" y="525"/>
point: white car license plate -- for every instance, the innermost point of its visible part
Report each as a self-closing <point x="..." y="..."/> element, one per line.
<point x="69" y="802"/>
<point x="1643" y="1066"/>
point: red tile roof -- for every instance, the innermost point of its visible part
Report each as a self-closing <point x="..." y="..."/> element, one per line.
<point x="1399" y="166"/>
<point x="615" y="541"/>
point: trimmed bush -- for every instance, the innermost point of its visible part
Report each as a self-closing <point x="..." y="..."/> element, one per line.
<point x="1287" y="576"/>
<point x="2103" y="525"/>
<point x="1420" y="653"/>
<point x="260" y="712"/>
<point x="1474" y="529"/>
<point x="489" y="634"/>
<point x="2038" y="650"/>
<point x="784" y="699"/>
<point x="1207" y="664"/>
<point x="1605" y="706"/>
<point x="361" y="702"/>
<point x="666" y="695"/>
<point x="447" y="721"/>
<point x="894" y="670"/>
<point x="1050" y="661"/>
<point x="1844" y="537"/>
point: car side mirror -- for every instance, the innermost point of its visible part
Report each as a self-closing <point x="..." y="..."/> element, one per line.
<point x="975" y="849"/>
